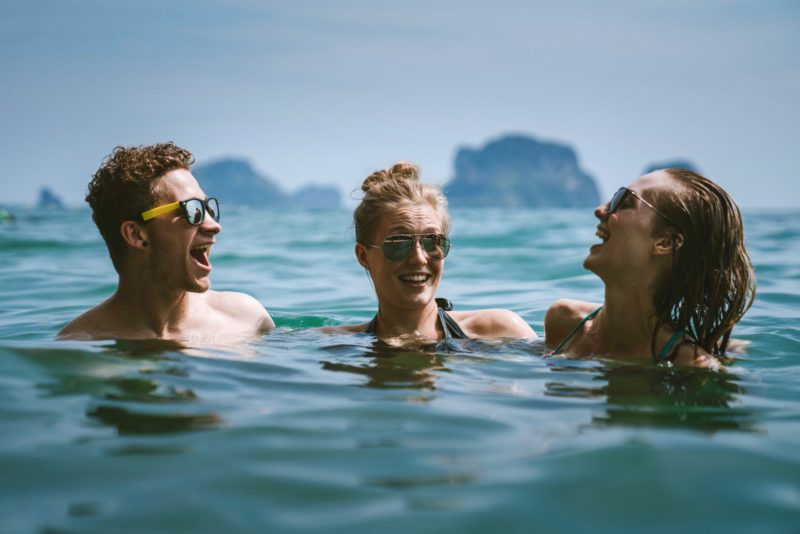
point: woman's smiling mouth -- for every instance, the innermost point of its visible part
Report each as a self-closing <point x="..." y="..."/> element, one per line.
<point x="414" y="278"/>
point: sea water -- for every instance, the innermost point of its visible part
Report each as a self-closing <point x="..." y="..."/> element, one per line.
<point x="301" y="431"/>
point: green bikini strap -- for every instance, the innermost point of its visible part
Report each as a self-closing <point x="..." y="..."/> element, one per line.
<point x="663" y="355"/>
<point x="575" y="330"/>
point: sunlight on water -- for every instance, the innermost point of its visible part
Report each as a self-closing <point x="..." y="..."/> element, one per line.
<point x="307" y="431"/>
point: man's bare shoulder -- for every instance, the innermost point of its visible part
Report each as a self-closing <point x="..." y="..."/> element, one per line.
<point x="493" y="323"/>
<point x="79" y="328"/>
<point x="241" y="307"/>
<point x="96" y="323"/>
<point x="561" y="318"/>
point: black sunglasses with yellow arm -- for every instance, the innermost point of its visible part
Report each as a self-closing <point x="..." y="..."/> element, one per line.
<point x="194" y="209"/>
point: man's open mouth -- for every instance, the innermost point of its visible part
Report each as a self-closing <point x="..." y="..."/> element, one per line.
<point x="200" y="255"/>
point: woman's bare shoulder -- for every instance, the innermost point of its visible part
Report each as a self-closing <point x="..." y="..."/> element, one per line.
<point x="690" y="355"/>
<point x="493" y="323"/>
<point x="344" y="329"/>
<point x="562" y="316"/>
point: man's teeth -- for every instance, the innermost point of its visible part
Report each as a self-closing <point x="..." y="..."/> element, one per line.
<point x="602" y="235"/>
<point x="414" y="277"/>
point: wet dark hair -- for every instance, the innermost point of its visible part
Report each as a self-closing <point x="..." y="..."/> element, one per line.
<point x="122" y="188"/>
<point x="710" y="284"/>
<point x="390" y="188"/>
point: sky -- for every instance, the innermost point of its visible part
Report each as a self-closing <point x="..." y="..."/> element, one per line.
<point x="328" y="91"/>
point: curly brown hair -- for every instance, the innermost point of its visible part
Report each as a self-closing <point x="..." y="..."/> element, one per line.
<point x="711" y="282"/>
<point x="122" y="188"/>
<point x="390" y="188"/>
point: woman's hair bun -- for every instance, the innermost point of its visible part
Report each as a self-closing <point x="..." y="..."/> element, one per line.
<point x="401" y="171"/>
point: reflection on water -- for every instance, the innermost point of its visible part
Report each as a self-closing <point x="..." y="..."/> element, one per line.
<point x="136" y="387"/>
<point x="653" y="396"/>
<point x="129" y="421"/>
<point x="390" y="367"/>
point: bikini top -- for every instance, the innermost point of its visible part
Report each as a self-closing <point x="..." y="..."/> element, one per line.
<point x="449" y="325"/>
<point x="663" y="355"/>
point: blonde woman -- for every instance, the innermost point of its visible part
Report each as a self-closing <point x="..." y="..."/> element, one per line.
<point x="402" y="239"/>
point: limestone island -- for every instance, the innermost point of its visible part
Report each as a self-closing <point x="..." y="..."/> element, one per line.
<point x="518" y="171"/>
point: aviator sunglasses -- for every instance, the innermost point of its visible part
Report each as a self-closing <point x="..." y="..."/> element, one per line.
<point x="194" y="210"/>
<point x="398" y="247"/>
<point x="619" y="197"/>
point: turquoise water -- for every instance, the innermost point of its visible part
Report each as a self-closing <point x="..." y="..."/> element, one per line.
<point x="306" y="432"/>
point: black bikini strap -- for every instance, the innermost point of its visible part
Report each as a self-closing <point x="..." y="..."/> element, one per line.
<point x="444" y="304"/>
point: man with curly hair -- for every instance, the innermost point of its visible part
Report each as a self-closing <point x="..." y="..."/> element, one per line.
<point x="159" y="227"/>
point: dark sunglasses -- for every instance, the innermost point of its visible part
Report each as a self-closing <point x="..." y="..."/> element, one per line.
<point x="398" y="247"/>
<point x="194" y="210"/>
<point x="619" y="198"/>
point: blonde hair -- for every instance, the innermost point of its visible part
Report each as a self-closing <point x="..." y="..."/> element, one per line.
<point x="391" y="188"/>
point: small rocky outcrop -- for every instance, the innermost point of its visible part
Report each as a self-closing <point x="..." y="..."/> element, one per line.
<point x="317" y="197"/>
<point x="49" y="200"/>
<point x="671" y="164"/>
<point x="235" y="181"/>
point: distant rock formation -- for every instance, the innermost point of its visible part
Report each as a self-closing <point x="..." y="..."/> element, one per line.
<point x="49" y="200"/>
<point x="317" y="197"/>
<point x="236" y="182"/>
<point x="672" y="164"/>
<point x="519" y="171"/>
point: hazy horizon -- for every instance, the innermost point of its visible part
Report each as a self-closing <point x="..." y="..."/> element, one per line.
<point x="317" y="92"/>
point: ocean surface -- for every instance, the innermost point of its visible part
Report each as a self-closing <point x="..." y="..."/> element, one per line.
<point x="303" y="431"/>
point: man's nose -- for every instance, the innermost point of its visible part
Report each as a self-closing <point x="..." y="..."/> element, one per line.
<point x="210" y="226"/>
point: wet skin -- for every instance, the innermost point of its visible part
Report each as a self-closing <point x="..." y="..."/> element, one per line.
<point x="629" y="259"/>
<point x="406" y="289"/>
<point x="163" y="290"/>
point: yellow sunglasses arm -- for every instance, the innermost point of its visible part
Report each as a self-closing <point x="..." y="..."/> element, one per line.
<point x="155" y="212"/>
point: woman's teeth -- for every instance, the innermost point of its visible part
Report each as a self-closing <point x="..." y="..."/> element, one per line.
<point x="413" y="277"/>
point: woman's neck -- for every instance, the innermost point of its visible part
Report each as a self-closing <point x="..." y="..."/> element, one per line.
<point x="415" y="322"/>
<point x="626" y="323"/>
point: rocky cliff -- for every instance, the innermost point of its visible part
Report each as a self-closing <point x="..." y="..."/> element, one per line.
<point x="519" y="171"/>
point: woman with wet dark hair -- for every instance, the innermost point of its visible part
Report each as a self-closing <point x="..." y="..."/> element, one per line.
<point x="676" y="273"/>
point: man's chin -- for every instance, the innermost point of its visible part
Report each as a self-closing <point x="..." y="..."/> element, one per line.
<point x="199" y="286"/>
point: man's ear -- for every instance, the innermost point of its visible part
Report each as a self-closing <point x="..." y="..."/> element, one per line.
<point x="361" y="255"/>
<point x="134" y="234"/>
<point x="664" y="243"/>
